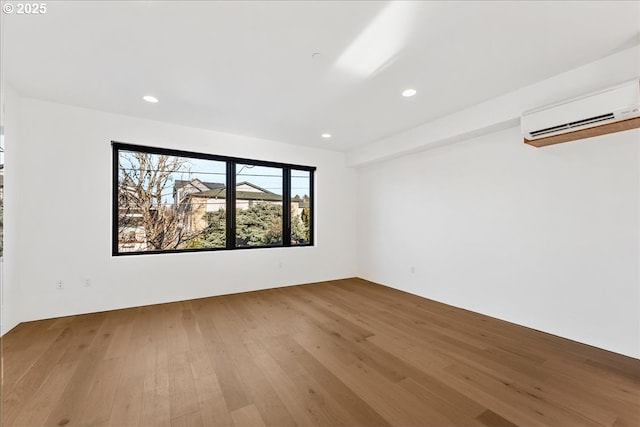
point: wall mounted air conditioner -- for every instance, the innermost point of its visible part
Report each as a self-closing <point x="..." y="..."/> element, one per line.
<point x="606" y="111"/>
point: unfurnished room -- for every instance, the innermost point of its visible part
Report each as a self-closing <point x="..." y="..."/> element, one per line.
<point x="320" y="213"/>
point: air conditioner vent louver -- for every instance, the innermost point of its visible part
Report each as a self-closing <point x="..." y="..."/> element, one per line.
<point x="577" y="123"/>
<point x="571" y="119"/>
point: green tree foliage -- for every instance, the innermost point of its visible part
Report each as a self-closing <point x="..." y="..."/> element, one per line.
<point x="298" y="228"/>
<point x="259" y="225"/>
<point x="214" y="236"/>
<point x="306" y="219"/>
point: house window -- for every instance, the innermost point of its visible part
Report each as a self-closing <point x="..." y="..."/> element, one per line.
<point x="177" y="201"/>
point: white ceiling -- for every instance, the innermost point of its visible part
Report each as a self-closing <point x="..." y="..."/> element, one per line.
<point x="246" y="67"/>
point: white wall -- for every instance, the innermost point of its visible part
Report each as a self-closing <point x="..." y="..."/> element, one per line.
<point x="11" y="301"/>
<point x="63" y="224"/>
<point x="547" y="238"/>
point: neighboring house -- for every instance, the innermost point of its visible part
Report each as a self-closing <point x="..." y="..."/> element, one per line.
<point x="182" y="188"/>
<point x="298" y="204"/>
<point x="195" y="198"/>
<point x="132" y="239"/>
<point x="131" y="233"/>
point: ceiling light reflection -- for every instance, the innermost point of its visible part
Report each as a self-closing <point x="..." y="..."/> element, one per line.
<point x="381" y="40"/>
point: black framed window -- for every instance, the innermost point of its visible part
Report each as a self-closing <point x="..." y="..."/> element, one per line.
<point x="167" y="201"/>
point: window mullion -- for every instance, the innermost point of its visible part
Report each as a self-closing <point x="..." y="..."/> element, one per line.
<point x="286" y="207"/>
<point x="231" y="204"/>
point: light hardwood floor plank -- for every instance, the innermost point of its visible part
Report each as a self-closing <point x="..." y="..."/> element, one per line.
<point x="340" y="353"/>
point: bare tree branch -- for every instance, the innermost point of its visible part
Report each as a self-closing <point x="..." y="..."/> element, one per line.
<point x="143" y="179"/>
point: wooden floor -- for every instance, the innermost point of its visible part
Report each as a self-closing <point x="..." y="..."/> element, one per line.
<point x="343" y="353"/>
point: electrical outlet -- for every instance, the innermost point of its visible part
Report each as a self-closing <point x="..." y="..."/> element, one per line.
<point x="413" y="269"/>
<point x="86" y="283"/>
<point x="59" y="285"/>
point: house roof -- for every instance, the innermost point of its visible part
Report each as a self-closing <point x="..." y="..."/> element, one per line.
<point x="215" y="193"/>
<point x="179" y="183"/>
<point x="252" y="195"/>
<point x="264" y="190"/>
<point x="219" y="193"/>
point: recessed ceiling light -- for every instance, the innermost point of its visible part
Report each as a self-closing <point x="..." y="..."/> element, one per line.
<point x="409" y="92"/>
<point x="326" y="135"/>
<point x="151" y="99"/>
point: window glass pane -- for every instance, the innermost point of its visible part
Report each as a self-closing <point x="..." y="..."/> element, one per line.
<point x="169" y="202"/>
<point x="258" y="206"/>
<point x="300" y="207"/>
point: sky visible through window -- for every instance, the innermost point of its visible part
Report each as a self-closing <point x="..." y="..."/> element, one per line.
<point x="261" y="176"/>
